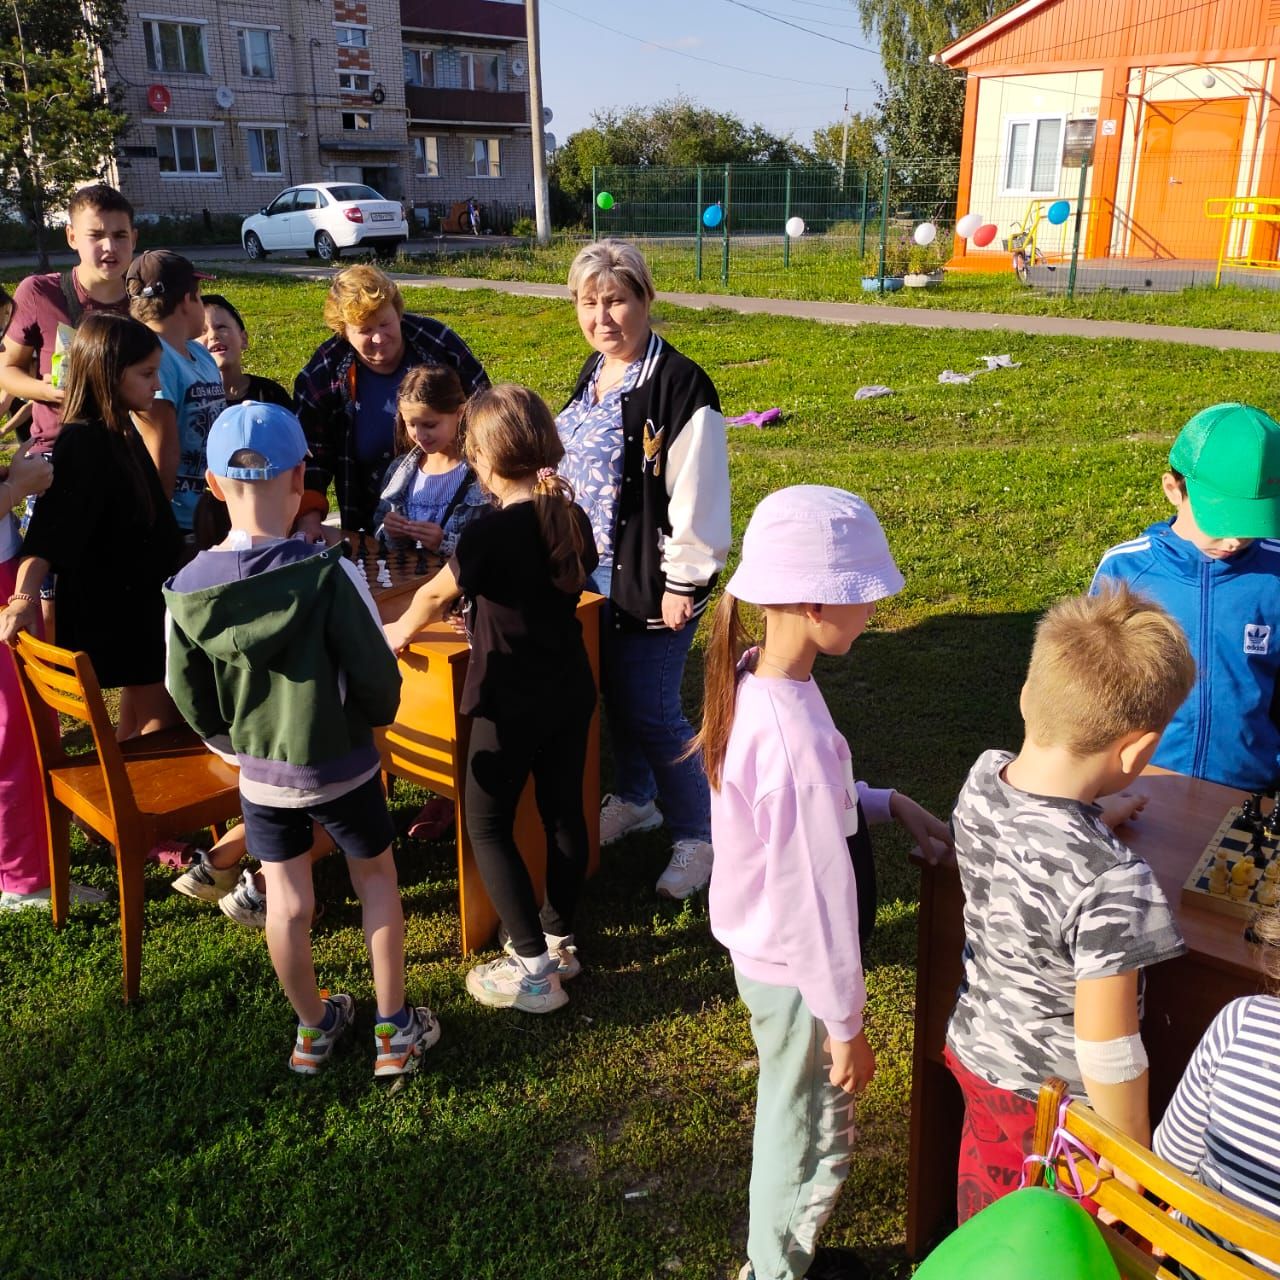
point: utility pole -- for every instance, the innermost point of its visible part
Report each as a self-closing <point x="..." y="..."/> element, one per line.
<point x="844" y="141"/>
<point x="541" y="214"/>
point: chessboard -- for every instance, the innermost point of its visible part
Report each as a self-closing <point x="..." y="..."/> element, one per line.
<point x="391" y="570"/>
<point x="1239" y="871"/>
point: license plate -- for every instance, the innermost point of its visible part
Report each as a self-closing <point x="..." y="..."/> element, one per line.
<point x="383" y="217"/>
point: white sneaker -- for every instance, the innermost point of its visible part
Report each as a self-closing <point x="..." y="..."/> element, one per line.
<point x="619" y="817"/>
<point x="688" y="871"/>
<point x="564" y="951"/>
<point x="41" y="899"/>
<point x="205" y="881"/>
<point x="507" y="984"/>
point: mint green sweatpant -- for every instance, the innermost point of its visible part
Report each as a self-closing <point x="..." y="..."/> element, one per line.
<point x="803" y="1136"/>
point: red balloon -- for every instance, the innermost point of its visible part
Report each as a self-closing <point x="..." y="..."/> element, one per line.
<point x="985" y="234"/>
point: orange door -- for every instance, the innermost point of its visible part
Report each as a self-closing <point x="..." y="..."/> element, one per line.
<point x="1189" y="152"/>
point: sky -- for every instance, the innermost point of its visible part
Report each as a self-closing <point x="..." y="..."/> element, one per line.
<point x="586" y="68"/>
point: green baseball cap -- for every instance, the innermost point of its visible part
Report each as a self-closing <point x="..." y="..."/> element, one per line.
<point x="1230" y="456"/>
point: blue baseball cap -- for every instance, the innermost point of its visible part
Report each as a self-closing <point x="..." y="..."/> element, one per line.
<point x="268" y="429"/>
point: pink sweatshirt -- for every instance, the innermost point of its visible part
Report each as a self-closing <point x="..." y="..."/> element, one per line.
<point x="783" y="897"/>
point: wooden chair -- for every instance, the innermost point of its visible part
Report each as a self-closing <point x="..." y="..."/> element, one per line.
<point x="133" y="794"/>
<point x="1228" y="1219"/>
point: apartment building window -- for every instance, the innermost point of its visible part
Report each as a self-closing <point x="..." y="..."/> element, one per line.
<point x="357" y="120"/>
<point x="175" y="46"/>
<point x="426" y="153"/>
<point x="1032" y="156"/>
<point x="420" y="67"/>
<point x="255" y="54"/>
<point x="479" y="71"/>
<point x="486" y="157"/>
<point x="187" y="149"/>
<point x="352" y="37"/>
<point x="265" y="150"/>
<point x="355" y="81"/>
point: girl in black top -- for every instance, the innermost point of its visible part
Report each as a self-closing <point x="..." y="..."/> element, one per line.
<point x="105" y="526"/>
<point x="529" y="687"/>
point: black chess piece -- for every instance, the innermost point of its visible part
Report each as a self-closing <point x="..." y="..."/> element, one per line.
<point x="382" y="545"/>
<point x="422" y="567"/>
<point x="402" y="556"/>
<point x="1272" y="824"/>
<point x="1251" y="810"/>
<point x="362" y="550"/>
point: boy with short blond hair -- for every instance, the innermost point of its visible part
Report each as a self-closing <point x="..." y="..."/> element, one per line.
<point x="1216" y="568"/>
<point x="1060" y="916"/>
<point x="277" y="658"/>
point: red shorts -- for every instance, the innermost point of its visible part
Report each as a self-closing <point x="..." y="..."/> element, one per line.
<point x="999" y="1128"/>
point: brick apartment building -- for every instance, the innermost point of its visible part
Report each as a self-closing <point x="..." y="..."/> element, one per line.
<point x="230" y="100"/>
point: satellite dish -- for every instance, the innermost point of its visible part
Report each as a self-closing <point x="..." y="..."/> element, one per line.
<point x="547" y="115"/>
<point x="517" y="66"/>
<point x="224" y="97"/>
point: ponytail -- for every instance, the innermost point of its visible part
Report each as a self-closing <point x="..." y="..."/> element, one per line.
<point x="561" y="533"/>
<point x="726" y="644"/>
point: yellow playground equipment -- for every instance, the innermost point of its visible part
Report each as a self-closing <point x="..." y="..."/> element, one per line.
<point x="1255" y="223"/>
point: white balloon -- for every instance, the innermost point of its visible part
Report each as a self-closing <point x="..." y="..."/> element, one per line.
<point x="925" y="233"/>
<point x="968" y="225"/>
<point x="795" y="227"/>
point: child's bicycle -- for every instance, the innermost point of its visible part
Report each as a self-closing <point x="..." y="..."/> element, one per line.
<point x="1022" y="245"/>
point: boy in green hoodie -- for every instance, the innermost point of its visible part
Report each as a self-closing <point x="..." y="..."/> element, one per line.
<point x="278" y="660"/>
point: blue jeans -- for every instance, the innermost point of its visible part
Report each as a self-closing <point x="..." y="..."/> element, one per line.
<point x="640" y="678"/>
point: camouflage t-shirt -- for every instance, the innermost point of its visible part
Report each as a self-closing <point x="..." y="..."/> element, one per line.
<point x="1051" y="897"/>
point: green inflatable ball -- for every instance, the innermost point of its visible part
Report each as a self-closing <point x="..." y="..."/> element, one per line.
<point x="1028" y="1233"/>
<point x="604" y="200"/>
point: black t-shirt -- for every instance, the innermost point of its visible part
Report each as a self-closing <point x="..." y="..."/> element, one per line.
<point x="265" y="391"/>
<point x="526" y="641"/>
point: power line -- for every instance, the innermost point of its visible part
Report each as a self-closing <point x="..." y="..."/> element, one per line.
<point x="795" y="26"/>
<point x="822" y="22"/>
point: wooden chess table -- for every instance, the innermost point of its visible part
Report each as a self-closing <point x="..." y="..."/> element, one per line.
<point x="1182" y="996"/>
<point x="427" y="743"/>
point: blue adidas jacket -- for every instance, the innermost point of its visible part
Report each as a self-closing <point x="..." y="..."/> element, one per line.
<point x="1226" y="730"/>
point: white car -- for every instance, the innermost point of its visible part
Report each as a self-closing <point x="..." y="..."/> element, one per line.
<point x="323" y="218"/>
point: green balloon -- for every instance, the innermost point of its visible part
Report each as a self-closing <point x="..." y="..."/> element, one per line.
<point x="1032" y="1232"/>
<point x="604" y="200"/>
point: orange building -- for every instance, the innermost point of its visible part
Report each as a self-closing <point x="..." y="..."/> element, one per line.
<point x="1166" y="103"/>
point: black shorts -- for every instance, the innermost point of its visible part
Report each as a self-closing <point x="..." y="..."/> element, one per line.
<point x="358" y="823"/>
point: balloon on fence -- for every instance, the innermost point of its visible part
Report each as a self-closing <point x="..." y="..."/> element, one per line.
<point x="985" y="234"/>
<point x="712" y="216"/>
<point x="968" y="225"/>
<point x="1059" y="211"/>
<point x="604" y="200"/>
<point x="795" y="227"/>
<point x="925" y="234"/>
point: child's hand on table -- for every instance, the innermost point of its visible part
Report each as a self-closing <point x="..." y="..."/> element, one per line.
<point x="1122" y="807"/>
<point x="430" y="534"/>
<point x="931" y="836"/>
<point x="398" y="635"/>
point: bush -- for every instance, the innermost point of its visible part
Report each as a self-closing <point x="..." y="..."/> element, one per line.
<point x="524" y="227"/>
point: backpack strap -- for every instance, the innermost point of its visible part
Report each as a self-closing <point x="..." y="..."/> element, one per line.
<point x="75" y="311"/>
<point x="461" y="492"/>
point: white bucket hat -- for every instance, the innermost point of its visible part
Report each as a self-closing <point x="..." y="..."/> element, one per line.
<point x="812" y="544"/>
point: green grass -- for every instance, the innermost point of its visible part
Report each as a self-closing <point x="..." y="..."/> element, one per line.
<point x="611" y="1140"/>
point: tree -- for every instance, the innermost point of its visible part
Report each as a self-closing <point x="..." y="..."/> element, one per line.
<point x="58" y="124"/>
<point x="864" y="150"/>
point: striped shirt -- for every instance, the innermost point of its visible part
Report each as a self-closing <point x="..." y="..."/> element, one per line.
<point x="1223" y="1125"/>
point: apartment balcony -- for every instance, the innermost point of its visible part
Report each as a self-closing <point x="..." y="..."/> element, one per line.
<point x="473" y="19"/>
<point x="465" y="106"/>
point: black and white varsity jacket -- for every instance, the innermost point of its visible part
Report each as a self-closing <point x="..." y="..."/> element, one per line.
<point x="671" y="529"/>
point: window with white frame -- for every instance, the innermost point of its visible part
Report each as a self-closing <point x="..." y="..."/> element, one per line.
<point x="187" y="149"/>
<point x="265" y="151"/>
<point x="479" y="71"/>
<point x="357" y="120"/>
<point x="175" y="46"/>
<point x="355" y="81"/>
<point x="256" y="61"/>
<point x="486" y="157"/>
<point x="1032" y="156"/>
<point x="426" y="152"/>
<point x="420" y="67"/>
<point x="352" y="37"/>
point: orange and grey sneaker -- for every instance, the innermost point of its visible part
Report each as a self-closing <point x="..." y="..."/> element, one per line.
<point x="314" y="1044"/>
<point x="400" y="1051"/>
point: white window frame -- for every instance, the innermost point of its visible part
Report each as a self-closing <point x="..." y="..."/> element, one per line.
<point x="279" y="131"/>
<point x="350" y="28"/>
<point x="151" y="42"/>
<point x="426" y="158"/>
<point x="186" y="175"/>
<point x="1033" y="123"/>
<point x="366" y="76"/>
<point x="243" y="31"/>
<point x="356" y="128"/>
<point x="467" y="68"/>
<point x="417" y="54"/>
<point x="490" y="144"/>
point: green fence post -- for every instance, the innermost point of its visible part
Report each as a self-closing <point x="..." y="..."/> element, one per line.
<point x="595" y="228"/>
<point x="786" y="217"/>
<point x="862" y="217"/>
<point x="884" y="218"/>
<point x="1075" y="243"/>
<point x="724" y="222"/>
<point x="697" y="213"/>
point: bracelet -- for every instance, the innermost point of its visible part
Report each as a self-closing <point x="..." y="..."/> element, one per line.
<point x="23" y="596"/>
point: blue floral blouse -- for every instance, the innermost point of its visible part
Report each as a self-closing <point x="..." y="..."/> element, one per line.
<point x="591" y="433"/>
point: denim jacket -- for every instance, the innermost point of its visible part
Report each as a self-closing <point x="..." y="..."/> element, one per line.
<point x="395" y="491"/>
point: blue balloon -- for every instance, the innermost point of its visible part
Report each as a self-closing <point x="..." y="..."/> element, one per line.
<point x="712" y="216"/>
<point x="1059" y="212"/>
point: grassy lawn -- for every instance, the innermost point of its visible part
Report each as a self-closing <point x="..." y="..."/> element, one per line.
<point x="827" y="269"/>
<point x="611" y="1140"/>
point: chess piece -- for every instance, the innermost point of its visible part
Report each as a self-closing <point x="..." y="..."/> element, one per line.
<point x="1272" y="825"/>
<point x="1251" y="810"/>
<point x="362" y="551"/>
<point x="422" y="567"/>
<point x="382" y="545"/>
<point x="402" y="556"/>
